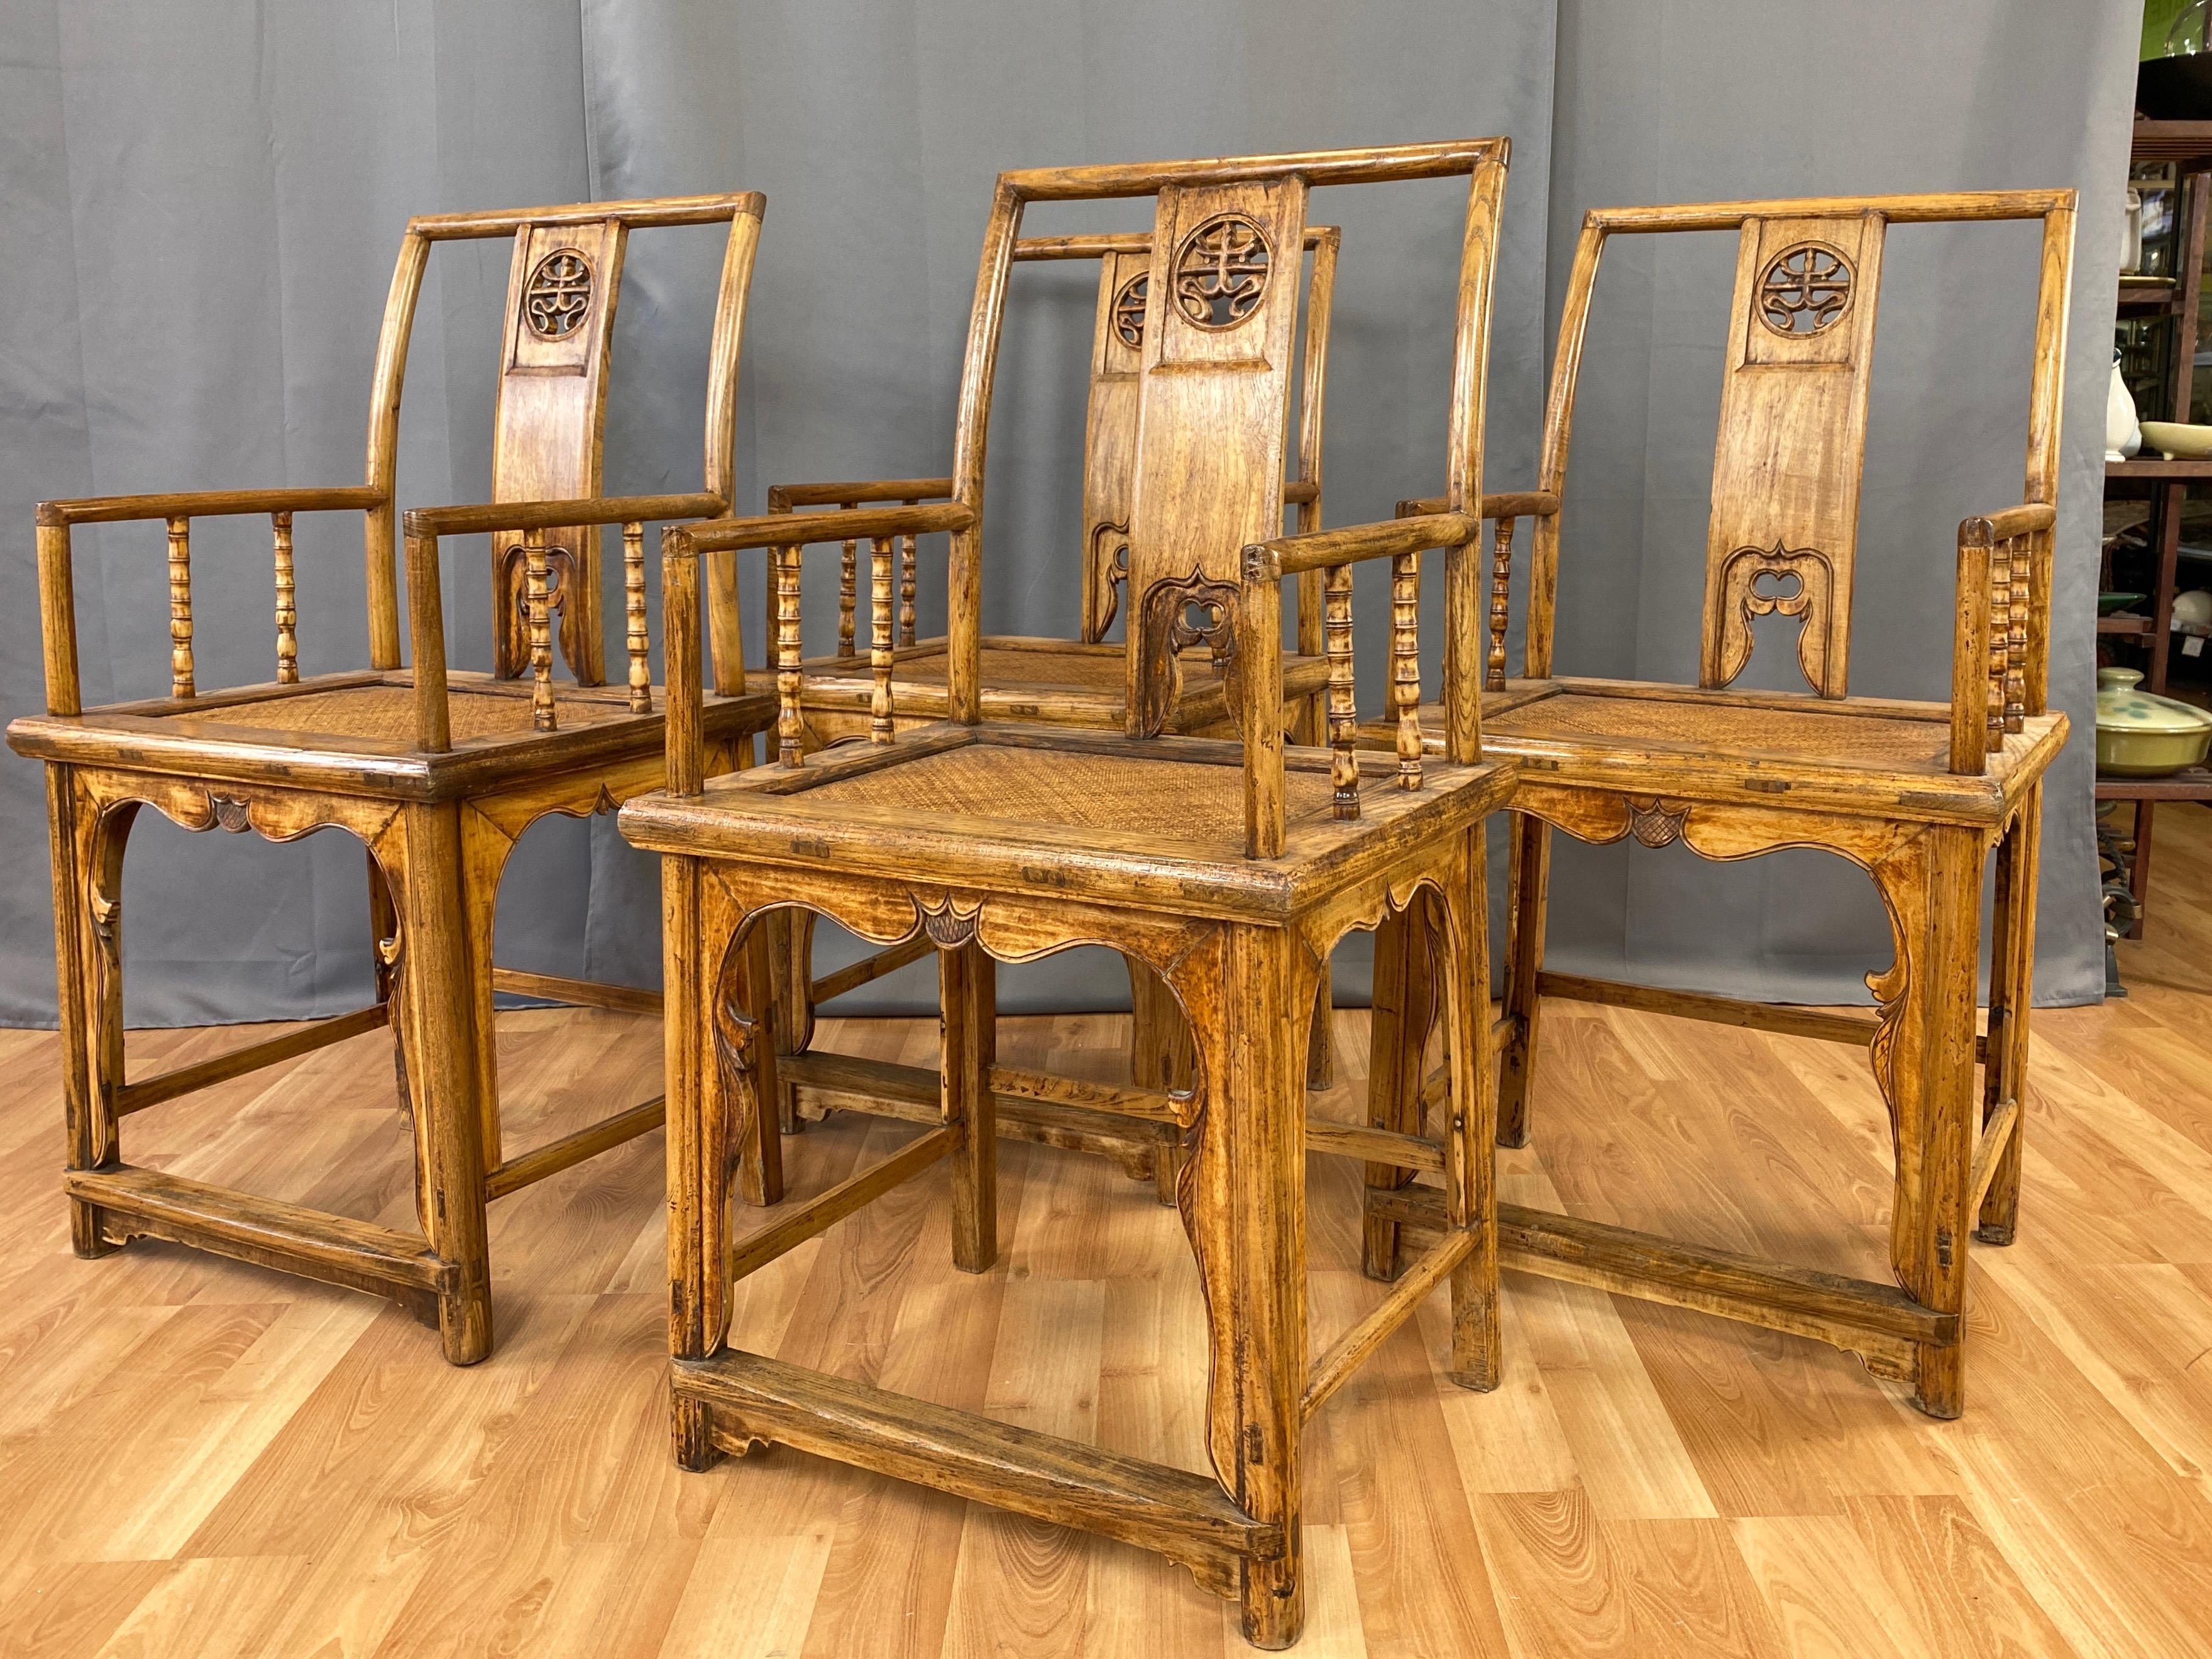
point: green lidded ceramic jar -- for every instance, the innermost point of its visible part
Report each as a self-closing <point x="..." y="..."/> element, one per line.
<point x="2142" y="736"/>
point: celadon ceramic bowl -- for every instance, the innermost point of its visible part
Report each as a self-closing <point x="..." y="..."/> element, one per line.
<point x="2141" y="736"/>
<point x="2176" y="441"/>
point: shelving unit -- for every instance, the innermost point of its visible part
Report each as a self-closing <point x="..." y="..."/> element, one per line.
<point x="2188" y="145"/>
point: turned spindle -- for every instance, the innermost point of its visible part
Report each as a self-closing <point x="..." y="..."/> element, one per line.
<point x="879" y="638"/>
<point x="180" y="608"/>
<point x="848" y="591"/>
<point x="1343" y="705"/>
<point x="1501" y="593"/>
<point x="2000" y="636"/>
<point x="906" y="589"/>
<point x="288" y="612"/>
<point x="641" y="642"/>
<point x="1406" y="664"/>
<point x="2016" y="682"/>
<point x="538" y="599"/>
<point x="787" y="723"/>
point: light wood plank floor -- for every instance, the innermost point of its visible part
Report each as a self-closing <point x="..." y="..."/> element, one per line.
<point x="199" y="1458"/>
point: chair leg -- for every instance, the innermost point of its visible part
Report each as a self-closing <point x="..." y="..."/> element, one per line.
<point x="700" y="1115"/>
<point x="1247" y="1219"/>
<point x="81" y="976"/>
<point x="789" y="943"/>
<point x="755" y="972"/>
<point x="438" y="1017"/>
<point x="2012" y="986"/>
<point x="1530" y="870"/>
<point x="384" y="940"/>
<point x="1471" y="1128"/>
<point x="1929" y="1063"/>
<point x="1404" y="1010"/>
<point x="1159" y="1058"/>
<point x="1321" y="1042"/>
<point x="966" y="981"/>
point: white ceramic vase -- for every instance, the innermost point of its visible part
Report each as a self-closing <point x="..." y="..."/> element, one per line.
<point x="2123" y="435"/>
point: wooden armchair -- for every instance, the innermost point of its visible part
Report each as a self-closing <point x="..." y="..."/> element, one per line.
<point x="1074" y="682"/>
<point x="1917" y="794"/>
<point x="437" y="773"/>
<point x="1229" y="866"/>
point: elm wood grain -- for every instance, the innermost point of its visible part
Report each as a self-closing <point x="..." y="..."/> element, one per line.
<point x="755" y="1251"/>
<point x="188" y="1079"/>
<point x="1824" y="1023"/>
<point x="1884" y="1324"/>
<point x="1184" y="1515"/>
<point x="576" y="993"/>
<point x="127" y="1203"/>
<point x="570" y="1150"/>
<point x="1918" y="796"/>
<point x="437" y="775"/>
<point x="1004" y="843"/>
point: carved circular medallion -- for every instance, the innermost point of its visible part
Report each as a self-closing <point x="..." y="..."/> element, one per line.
<point x="1129" y="310"/>
<point x="1221" y="271"/>
<point x="558" y="294"/>
<point x="1805" y="289"/>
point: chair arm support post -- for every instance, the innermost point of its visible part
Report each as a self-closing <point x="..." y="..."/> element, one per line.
<point x="426" y="620"/>
<point x="57" y="618"/>
<point x="1970" y="647"/>
<point x="1259" y="692"/>
<point x="680" y="640"/>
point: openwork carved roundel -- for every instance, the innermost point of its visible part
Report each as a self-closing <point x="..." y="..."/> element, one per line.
<point x="1221" y="271"/>
<point x="1129" y="310"/>
<point x="558" y="294"/>
<point x="1805" y="289"/>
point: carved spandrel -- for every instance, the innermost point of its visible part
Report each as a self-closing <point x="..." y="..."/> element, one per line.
<point x="1777" y="581"/>
<point x="1176" y="616"/>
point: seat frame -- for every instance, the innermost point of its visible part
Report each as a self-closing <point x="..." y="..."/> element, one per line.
<point x="1922" y="835"/>
<point x="1239" y="929"/>
<point x="437" y="815"/>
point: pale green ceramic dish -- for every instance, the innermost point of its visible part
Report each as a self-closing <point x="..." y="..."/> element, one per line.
<point x="2141" y="736"/>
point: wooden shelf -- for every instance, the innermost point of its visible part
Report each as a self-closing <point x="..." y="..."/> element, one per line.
<point x="2189" y="142"/>
<point x="2127" y="625"/>
<point x="2157" y="468"/>
<point x="2195" y="784"/>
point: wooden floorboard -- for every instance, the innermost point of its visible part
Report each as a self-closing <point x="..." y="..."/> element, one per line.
<point x="199" y="1457"/>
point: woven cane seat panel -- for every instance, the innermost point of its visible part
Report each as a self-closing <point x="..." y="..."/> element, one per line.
<point x="1076" y="669"/>
<point x="388" y="712"/>
<point x="1114" y="794"/>
<point x="1811" y="736"/>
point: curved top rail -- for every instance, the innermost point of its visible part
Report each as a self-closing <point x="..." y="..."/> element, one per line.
<point x="1317" y="167"/>
<point x="641" y="213"/>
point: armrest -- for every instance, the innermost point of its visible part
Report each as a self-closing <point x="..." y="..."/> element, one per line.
<point x="1323" y="549"/>
<point x="548" y="515"/>
<point x="2002" y="636"/>
<point x="2021" y="520"/>
<point x="210" y="504"/>
<point x="1519" y="504"/>
<point x="781" y="498"/>
<point x="801" y="529"/>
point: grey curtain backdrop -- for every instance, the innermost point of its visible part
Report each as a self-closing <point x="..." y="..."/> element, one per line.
<point x="204" y="201"/>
